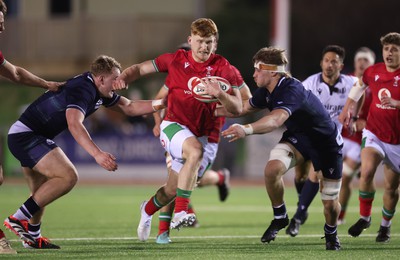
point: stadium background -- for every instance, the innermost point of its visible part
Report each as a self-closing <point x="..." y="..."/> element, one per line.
<point x="58" y="39"/>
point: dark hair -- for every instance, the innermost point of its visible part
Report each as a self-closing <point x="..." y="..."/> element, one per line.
<point x="336" y="49"/>
<point x="3" y="7"/>
<point x="391" y="38"/>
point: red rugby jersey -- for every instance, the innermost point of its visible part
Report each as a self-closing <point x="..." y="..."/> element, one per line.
<point x="183" y="108"/>
<point x="383" y="121"/>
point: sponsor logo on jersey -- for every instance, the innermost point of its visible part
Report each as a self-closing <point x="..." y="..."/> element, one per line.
<point x="292" y="139"/>
<point x="98" y="103"/>
<point x="384" y="92"/>
<point x="49" y="141"/>
<point x="376" y="77"/>
<point x="187" y="64"/>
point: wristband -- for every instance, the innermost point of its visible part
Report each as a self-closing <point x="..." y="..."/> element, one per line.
<point x="157" y="104"/>
<point x="355" y="118"/>
<point x="248" y="129"/>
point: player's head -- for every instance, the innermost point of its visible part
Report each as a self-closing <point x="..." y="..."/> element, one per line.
<point x="363" y="58"/>
<point x="332" y="61"/>
<point x="269" y="63"/>
<point x="202" y="39"/>
<point x="105" y="70"/>
<point x="391" y="50"/>
<point x="3" y="12"/>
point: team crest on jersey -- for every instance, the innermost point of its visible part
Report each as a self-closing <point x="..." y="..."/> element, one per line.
<point x="376" y="77"/>
<point x="98" y="103"/>
<point x="209" y="69"/>
<point x="396" y="81"/>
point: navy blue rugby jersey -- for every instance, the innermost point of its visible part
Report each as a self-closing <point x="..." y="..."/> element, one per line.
<point x="307" y="115"/>
<point x="46" y="115"/>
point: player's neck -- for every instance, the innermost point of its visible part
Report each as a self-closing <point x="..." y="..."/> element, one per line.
<point x="330" y="80"/>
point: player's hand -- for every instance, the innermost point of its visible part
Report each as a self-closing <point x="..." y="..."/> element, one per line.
<point x="233" y="133"/>
<point x="156" y="130"/>
<point x="106" y="160"/>
<point x="389" y="102"/>
<point x="119" y="84"/>
<point x="54" y="86"/>
<point x="211" y="87"/>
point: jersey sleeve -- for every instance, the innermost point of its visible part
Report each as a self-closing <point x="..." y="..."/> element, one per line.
<point x="239" y="78"/>
<point x="288" y="98"/>
<point x="162" y="62"/>
<point x="109" y="102"/>
<point x="80" y="96"/>
<point x="259" y="99"/>
<point x="366" y="76"/>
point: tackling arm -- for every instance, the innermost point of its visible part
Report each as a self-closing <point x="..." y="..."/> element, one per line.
<point x="264" y="125"/>
<point x="75" y="119"/>
<point x="139" y="107"/>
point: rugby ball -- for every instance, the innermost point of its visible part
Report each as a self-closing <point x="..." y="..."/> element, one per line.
<point x="197" y="88"/>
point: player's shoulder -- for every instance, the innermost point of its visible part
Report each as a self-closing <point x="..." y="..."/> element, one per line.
<point x="313" y="79"/>
<point x="219" y="60"/>
<point x="376" y="68"/>
<point x="348" y="78"/>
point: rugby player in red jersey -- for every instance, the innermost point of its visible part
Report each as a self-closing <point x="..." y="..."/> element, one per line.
<point x="381" y="137"/>
<point x="188" y="122"/>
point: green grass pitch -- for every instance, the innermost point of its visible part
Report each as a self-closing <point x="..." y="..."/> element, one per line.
<point x="99" y="222"/>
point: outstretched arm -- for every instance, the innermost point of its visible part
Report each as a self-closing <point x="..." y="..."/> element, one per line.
<point x="139" y="107"/>
<point x="266" y="124"/>
<point x="75" y="119"/>
<point x="22" y="76"/>
<point x="133" y="73"/>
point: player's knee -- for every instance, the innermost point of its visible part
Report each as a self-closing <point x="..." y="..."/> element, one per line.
<point x="71" y="178"/>
<point x="284" y="154"/>
<point x="330" y="189"/>
<point x="348" y="171"/>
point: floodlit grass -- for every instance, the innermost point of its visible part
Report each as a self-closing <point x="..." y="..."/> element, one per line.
<point x="99" y="222"/>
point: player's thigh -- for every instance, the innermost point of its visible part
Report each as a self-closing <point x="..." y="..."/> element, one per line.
<point x="370" y="160"/>
<point x="56" y="164"/>
<point x="391" y="179"/>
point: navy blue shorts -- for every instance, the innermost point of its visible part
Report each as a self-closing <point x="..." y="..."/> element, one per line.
<point x="29" y="147"/>
<point x="326" y="157"/>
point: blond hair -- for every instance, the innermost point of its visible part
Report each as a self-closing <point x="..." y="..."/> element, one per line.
<point x="104" y="65"/>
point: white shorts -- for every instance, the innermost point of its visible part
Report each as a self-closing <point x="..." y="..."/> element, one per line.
<point x="351" y="150"/>
<point x="172" y="137"/>
<point x="389" y="152"/>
